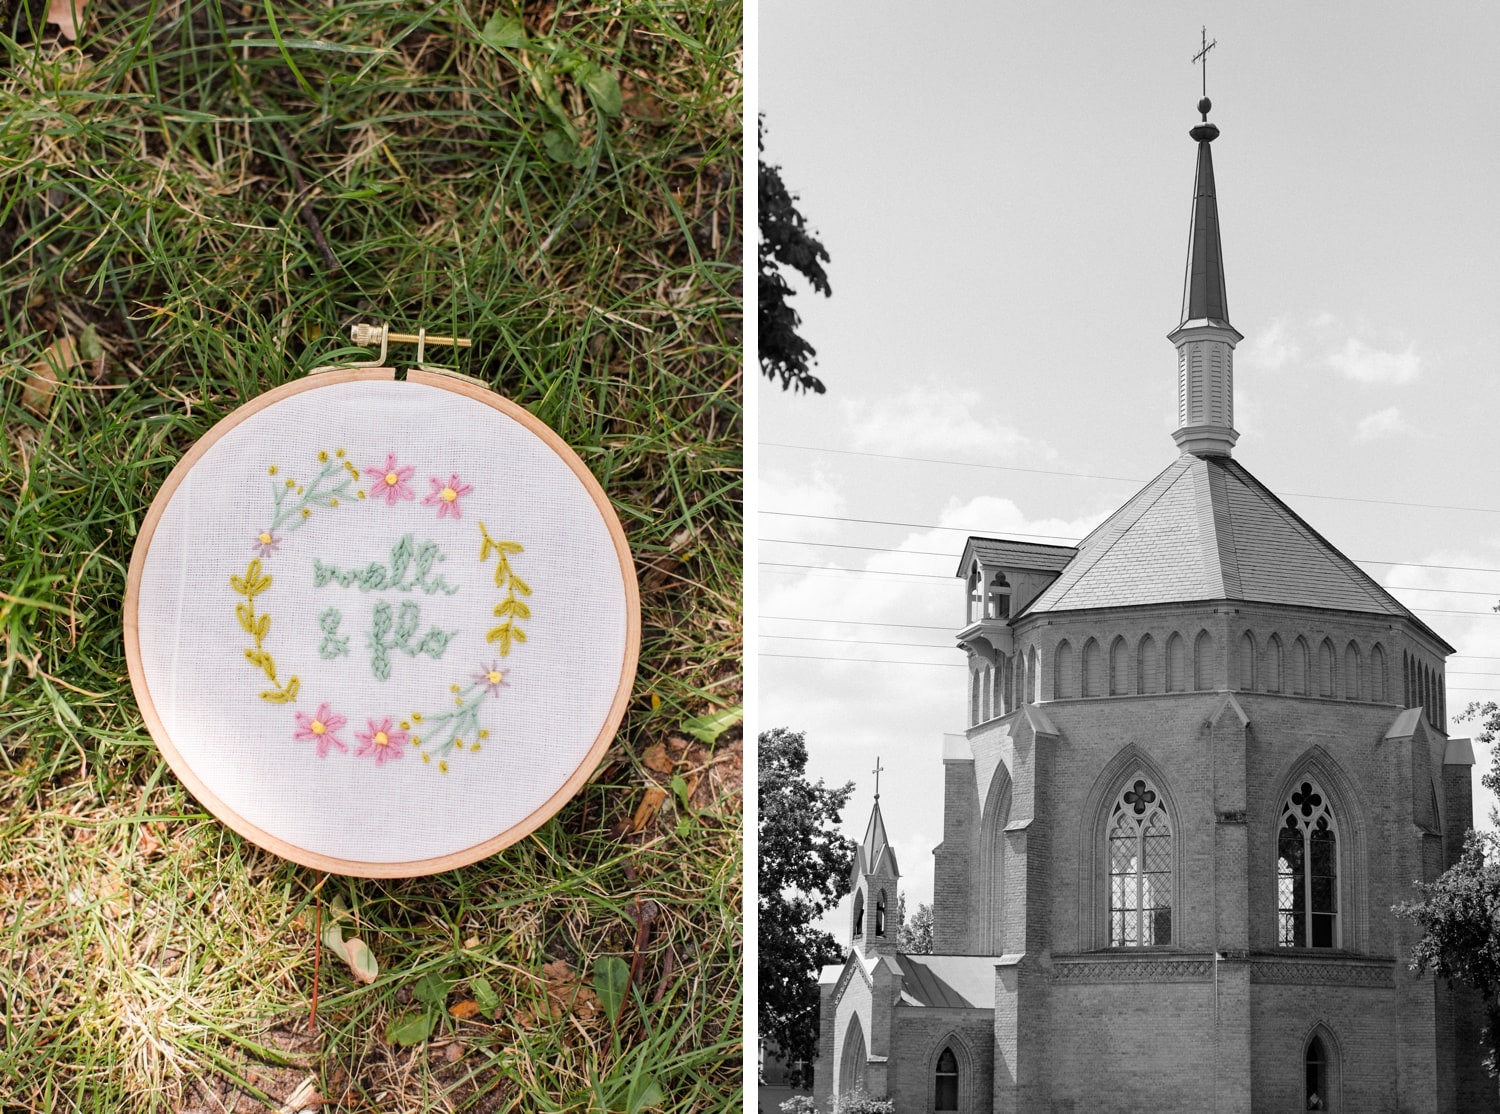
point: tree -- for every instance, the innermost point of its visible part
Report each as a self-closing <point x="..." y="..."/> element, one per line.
<point x="1458" y="914"/>
<point x="1488" y="713"/>
<point x="914" y="937"/>
<point x="785" y="242"/>
<point x="804" y="870"/>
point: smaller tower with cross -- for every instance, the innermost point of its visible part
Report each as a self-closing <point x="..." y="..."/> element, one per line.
<point x="874" y="876"/>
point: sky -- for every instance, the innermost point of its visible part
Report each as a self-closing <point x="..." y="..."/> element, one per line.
<point x="1004" y="191"/>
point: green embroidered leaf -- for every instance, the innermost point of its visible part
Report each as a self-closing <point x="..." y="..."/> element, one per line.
<point x="519" y="585"/>
<point x="485" y="995"/>
<point x="433" y="989"/>
<point x="611" y="982"/>
<point x="411" y="1029"/>
<point x="246" y="615"/>
<point x="708" y="728"/>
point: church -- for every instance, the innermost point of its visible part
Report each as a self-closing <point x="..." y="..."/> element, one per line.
<point x="1206" y="754"/>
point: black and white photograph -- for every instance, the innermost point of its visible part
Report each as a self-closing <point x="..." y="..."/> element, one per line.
<point x="1127" y="628"/>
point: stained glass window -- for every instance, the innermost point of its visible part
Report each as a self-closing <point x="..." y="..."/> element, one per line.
<point x="1316" y="1064"/>
<point x="947" y="1081"/>
<point x="1307" y="871"/>
<point x="1140" y="868"/>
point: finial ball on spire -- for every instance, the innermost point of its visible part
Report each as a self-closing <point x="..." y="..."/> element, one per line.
<point x="1204" y="106"/>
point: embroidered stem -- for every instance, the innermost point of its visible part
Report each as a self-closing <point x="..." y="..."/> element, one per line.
<point x="450" y="728"/>
<point x="294" y="502"/>
<point x="511" y="609"/>
<point x="252" y="584"/>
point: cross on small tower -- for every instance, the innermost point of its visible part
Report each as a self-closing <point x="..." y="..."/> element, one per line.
<point x="1203" y="56"/>
<point x="877" y="770"/>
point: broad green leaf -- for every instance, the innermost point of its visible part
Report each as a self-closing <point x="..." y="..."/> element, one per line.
<point x="432" y="988"/>
<point x="611" y="981"/>
<point x="411" y="1029"/>
<point x="88" y="342"/>
<point x="680" y="791"/>
<point x="645" y="1092"/>
<point x="361" y="960"/>
<point x="337" y="906"/>
<point x="504" y="32"/>
<point x="602" y="87"/>
<point x="485" y="995"/>
<point x="333" y="940"/>
<point x="708" y="728"/>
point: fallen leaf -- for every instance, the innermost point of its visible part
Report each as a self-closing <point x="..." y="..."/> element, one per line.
<point x="454" y="1052"/>
<point x="650" y="805"/>
<point x="66" y="14"/>
<point x="611" y="981"/>
<point x="464" y="1010"/>
<point x="488" y="1000"/>
<point x="656" y="758"/>
<point x="304" y="1097"/>
<point x="60" y="355"/>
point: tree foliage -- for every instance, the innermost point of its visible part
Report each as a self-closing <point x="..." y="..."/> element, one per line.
<point x="914" y="937"/>
<point x="804" y="870"/>
<point x="1459" y="915"/>
<point x="785" y="242"/>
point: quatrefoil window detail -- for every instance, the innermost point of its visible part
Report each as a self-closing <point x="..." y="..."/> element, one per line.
<point x="1140" y="798"/>
<point x="1307" y="799"/>
<point x="1139" y="852"/>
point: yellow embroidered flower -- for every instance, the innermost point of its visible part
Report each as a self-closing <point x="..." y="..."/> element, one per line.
<point x="405" y="725"/>
<point x="443" y="766"/>
<point x="338" y="452"/>
<point x="322" y="456"/>
<point x="271" y="470"/>
<point x="484" y="733"/>
<point x="333" y="502"/>
<point x="291" y="483"/>
<point x="361" y="494"/>
<point x="306" y="512"/>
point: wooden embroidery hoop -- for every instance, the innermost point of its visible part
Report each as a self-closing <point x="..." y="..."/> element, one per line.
<point x="447" y="381"/>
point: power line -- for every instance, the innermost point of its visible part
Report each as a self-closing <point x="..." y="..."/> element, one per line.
<point x="1121" y="479"/>
<point x="876" y="642"/>
<point x="868" y="661"/>
<point x="955" y="556"/>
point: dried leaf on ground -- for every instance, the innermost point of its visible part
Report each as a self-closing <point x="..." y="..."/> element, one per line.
<point x="650" y="805"/>
<point x="464" y="1010"/>
<point x="566" y="992"/>
<point x="41" y="385"/>
<point x="67" y="14"/>
<point x="656" y="758"/>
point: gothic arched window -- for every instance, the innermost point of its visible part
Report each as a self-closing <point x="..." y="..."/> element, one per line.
<point x="946" y="1082"/>
<point x="1307" y="870"/>
<point x="997" y="598"/>
<point x="859" y="913"/>
<point x="880" y="914"/>
<point x="1140" y="868"/>
<point x="976" y="601"/>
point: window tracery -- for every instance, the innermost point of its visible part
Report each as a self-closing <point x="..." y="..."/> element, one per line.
<point x="1307" y="881"/>
<point x="1140" y="868"/>
<point x="946" y="1081"/>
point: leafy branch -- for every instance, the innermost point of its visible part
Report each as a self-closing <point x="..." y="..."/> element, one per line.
<point x="310" y="495"/>
<point x="252" y="584"/>
<point x="511" y="609"/>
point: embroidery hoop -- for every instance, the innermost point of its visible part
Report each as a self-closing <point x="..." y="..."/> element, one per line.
<point x="443" y="380"/>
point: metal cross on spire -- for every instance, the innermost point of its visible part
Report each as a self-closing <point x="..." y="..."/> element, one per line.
<point x="1202" y="55"/>
<point x="877" y="770"/>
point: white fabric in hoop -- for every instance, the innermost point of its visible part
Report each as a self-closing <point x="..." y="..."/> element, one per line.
<point x="406" y="736"/>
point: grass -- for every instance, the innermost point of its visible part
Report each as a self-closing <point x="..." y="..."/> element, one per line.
<point x="159" y="182"/>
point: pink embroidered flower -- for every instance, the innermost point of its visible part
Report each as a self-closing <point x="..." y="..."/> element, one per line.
<point x="446" y="496"/>
<point x="319" y="728"/>
<point x="390" y="481"/>
<point x="382" y="740"/>
<point x="266" y="542"/>
<point x="491" y="678"/>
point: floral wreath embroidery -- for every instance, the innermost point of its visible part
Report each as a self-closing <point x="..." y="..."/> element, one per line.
<point x="441" y="732"/>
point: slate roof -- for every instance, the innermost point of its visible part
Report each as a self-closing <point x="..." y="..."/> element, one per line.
<point x="964" y="981"/>
<point x="1203" y="295"/>
<point x="876" y="845"/>
<point x="1206" y="529"/>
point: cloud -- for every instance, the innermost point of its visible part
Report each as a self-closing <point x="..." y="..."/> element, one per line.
<point x="948" y="423"/>
<point x="1382" y="423"/>
<point x="1358" y="361"/>
<point x="1271" y="350"/>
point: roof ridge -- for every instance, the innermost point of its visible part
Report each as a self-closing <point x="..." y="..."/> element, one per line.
<point x="1356" y="576"/>
<point x="1117" y="526"/>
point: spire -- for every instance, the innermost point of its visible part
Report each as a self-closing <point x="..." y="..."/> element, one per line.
<point x="1205" y="339"/>
<point x="1203" y="297"/>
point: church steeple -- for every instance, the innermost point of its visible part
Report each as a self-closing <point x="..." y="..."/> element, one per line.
<point x="873" y="880"/>
<point x="1205" y="339"/>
